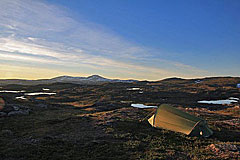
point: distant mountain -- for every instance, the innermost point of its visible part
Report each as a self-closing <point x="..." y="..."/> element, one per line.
<point x="96" y="79"/>
<point x="91" y="80"/>
<point x="173" y="79"/>
<point x="216" y="81"/>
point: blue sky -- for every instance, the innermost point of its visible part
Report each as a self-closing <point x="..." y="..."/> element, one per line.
<point x="119" y="39"/>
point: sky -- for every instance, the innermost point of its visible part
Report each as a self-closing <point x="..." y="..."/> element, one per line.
<point x="137" y="39"/>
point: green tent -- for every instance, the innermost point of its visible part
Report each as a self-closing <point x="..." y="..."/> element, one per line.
<point x="170" y="118"/>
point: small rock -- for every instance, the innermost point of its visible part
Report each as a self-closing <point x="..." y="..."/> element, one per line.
<point x="29" y="140"/>
<point x="223" y="147"/>
<point x="225" y="150"/>
<point x="16" y="108"/>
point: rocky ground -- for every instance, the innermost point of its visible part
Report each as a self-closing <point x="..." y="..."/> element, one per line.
<point x="98" y="122"/>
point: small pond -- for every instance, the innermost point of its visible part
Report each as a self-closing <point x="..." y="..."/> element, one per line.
<point x="142" y="106"/>
<point x="226" y="101"/>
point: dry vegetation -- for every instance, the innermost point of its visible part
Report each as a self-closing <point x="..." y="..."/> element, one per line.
<point x="97" y="122"/>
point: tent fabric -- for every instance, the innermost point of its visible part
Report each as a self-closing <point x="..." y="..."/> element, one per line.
<point x="171" y="118"/>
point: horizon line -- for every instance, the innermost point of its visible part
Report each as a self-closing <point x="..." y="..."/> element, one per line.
<point x="223" y="76"/>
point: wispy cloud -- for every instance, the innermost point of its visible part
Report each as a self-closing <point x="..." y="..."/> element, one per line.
<point x="36" y="31"/>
